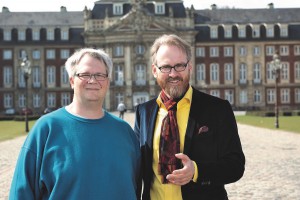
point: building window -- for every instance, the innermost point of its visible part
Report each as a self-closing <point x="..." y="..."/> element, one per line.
<point x="256" y="73"/>
<point x="256" y="51"/>
<point x="215" y="93"/>
<point x="242" y="51"/>
<point x="118" y="9"/>
<point x="36" y="54"/>
<point x="51" y="100"/>
<point x="159" y="8"/>
<point x="119" y="75"/>
<point x="255" y="32"/>
<point x="7" y="35"/>
<point x="36" y="77"/>
<point x="283" y="31"/>
<point x="64" y="77"/>
<point x="228" y="51"/>
<point x="297" y="50"/>
<point x="228" y="32"/>
<point x="140" y="49"/>
<point x="8" y="100"/>
<point x="297" y="95"/>
<point x="214" y="72"/>
<point x="243" y="73"/>
<point x="50" y="76"/>
<point x="270" y="32"/>
<point x="270" y="96"/>
<point x="118" y="51"/>
<point x="257" y="96"/>
<point x="64" y="35"/>
<point x="35" y="35"/>
<point x="64" y="53"/>
<point x="285" y="95"/>
<point x="50" y="54"/>
<point x="284" y="50"/>
<point x="269" y="72"/>
<point x="200" y="72"/>
<point x="21" y="80"/>
<point x="119" y="98"/>
<point x="297" y="71"/>
<point x="200" y="52"/>
<point x="285" y="71"/>
<point x="270" y="50"/>
<point x="229" y="96"/>
<point x="7" y="76"/>
<point x="21" y="35"/>
<point x="22" y="100"/>
<point x="140" y="74"/>
<point x="213" y="32"/>
<point x="243" y="97"/>
<point x="50" y="34"/>
<point x="65" y="98"/>
<point x="7" y="54"/>
<point x="214" y="51"/>
<point x="242" y="32"/>
<point x="228" y="72"/>
<point x="22" y="54"/>
<point x="36" y="101"/>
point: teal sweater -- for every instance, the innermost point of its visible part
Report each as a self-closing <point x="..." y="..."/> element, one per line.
<point x="68" y="157"/>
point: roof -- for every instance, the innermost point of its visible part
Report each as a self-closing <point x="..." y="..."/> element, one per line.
<point x="246" y="16"/>
<point x="42" y="19"/>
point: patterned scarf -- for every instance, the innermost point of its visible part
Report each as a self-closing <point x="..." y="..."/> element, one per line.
<point x="169" y="143"/>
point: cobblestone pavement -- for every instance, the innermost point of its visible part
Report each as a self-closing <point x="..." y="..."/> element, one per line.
<point x="272" y="164"/>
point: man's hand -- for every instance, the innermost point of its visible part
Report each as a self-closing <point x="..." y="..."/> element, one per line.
<point x="184" y="175"/>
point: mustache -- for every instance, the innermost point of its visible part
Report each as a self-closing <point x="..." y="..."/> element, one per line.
<point x="174" y="79"/>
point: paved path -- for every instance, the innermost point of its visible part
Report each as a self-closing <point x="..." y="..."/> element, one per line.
<point x="272" y="164"/>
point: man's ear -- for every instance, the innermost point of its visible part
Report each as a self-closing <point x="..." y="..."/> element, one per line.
<point x="71" y="79"/>
<point x="154" y="71"/>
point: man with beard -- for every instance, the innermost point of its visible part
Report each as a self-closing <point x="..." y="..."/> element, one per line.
<point x="189" y="140"/>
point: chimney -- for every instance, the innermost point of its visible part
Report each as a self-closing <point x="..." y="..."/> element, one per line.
<point x="63" y="9"/>
<point x="271" y="6"/>
<point x="213" y="6"/>
<point x="5" y="9"/>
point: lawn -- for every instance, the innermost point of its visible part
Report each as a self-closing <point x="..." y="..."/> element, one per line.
<point x="11" y="129"/>
<point x="286" y="123"/>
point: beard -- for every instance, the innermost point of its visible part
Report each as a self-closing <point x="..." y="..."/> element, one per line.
<point x="177" y="91"/>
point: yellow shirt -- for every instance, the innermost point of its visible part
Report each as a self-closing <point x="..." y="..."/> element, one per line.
<point x="170" y="191"/>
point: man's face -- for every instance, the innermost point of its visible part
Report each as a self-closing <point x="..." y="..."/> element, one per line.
<point x="89" y="91"/>
<point x="174" y="83"/>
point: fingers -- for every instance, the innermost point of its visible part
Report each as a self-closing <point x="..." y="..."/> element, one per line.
<point x="184" y="175"/>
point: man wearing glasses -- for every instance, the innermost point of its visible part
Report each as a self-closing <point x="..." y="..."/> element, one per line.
<point x="189" y="140"/>
<point x="80" y="151"/>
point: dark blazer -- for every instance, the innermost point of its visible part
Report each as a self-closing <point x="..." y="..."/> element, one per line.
<point x="211" y="140"/>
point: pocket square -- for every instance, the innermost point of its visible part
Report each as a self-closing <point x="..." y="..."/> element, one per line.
<point x="202" y="129"/>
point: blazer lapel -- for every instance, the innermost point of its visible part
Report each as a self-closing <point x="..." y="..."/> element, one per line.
<point x="151" y="123"/>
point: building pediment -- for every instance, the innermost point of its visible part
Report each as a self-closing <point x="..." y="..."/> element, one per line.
<point x="138" y="20"/>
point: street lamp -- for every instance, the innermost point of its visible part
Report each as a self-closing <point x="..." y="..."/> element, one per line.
<point x="276" y="67"/>
<point x="26" y="69"/>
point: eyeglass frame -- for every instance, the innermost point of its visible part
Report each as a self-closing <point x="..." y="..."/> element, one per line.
<point x="174" y="67"/>
<point x="80" y="76"/>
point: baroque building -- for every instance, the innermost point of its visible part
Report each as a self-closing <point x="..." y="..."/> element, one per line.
<point x="232" y="52"/>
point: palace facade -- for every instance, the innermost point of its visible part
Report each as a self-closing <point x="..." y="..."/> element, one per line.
<point x="232" y="49"/>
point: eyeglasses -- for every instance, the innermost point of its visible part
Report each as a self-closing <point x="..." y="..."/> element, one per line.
<point x="178" y="67"/>
<point x="87" y="77"/>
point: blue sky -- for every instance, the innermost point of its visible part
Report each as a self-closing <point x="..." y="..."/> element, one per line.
<point x="54" y="5"/>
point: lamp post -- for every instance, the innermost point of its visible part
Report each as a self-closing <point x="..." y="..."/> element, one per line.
<point x="276" y="67"/>
<point x="26" y="69"/>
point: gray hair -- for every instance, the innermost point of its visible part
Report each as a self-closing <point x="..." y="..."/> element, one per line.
<point x="173" y="40"/>
<point x="72" y="62"/>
